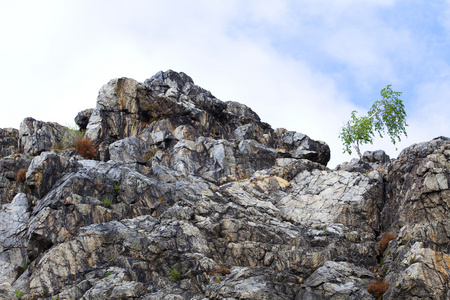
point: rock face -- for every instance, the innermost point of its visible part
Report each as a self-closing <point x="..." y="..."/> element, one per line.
<point x="37" y="136"/>
<point x="194" y="198"/>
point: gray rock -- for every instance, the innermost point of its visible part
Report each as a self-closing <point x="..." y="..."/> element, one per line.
<point x="82" y="118"/>
<point x="8" y="141"/>
<point x="37" y="136"/>
<point x="337" y="280"/>
<point x="45" y="170"/>
<point x="10" y="168"/>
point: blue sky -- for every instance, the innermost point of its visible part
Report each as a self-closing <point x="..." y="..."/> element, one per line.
<point x="301" y="65"/>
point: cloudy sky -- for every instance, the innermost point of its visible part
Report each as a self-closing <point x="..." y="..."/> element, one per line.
<point x="303" y="65"/>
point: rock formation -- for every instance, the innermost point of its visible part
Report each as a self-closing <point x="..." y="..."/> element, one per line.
<point x="191" y="197"/>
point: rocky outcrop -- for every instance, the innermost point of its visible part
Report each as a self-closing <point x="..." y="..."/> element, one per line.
<point x="37" y="136"/>
<point x="169" y="107"/>
<point x="191" y="197"/>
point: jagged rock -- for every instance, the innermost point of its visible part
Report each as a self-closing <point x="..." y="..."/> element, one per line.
<point x="169" y="106"/>
<point x="371" y="160"/>
<point x="45" y="170"/>
<point x="337" y="280"/>
<point x="195" y="198"/>
<point x="9" y="171"/>
<point x="416" y="212"/>
<point x="37" y="136"/>
<point x="8" y="141"/>
<point x="82" y="118"/>
<point x="13" y="241"/>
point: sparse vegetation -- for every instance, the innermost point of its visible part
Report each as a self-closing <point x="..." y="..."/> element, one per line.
<point x="384" y="241"/>
<point x="21" y="175"/>
<point x="68" y="139"/>
<point x="378" y="288"/>
<point x="107" y="274"/>
<point x="175" y="275"/>
<point x="107" y="201"/>
<point x="19" y="294"/>
<point x="85" y="148"/>
<point x="117" y="186"/>
<point x="25" y="265"/>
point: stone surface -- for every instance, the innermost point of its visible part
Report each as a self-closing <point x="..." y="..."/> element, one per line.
<point x="8" y="141"/>
<point x="337" y="280"/>
<point x="169" y="107"/>
<point x="82" y="118"/>
<point x="38" y="136"/>
<point x="191" y="197"/>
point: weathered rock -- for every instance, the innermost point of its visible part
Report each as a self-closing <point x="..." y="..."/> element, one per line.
<point x="9" y="173"/>
<point x="82" y="118"/>
<point x="8" y="141"/>
<point x="416" y="211"/>
<point x="37" y="136"/>
<point x="201" y="200"/>
<point x="13" y="241"/>
<point x="169" y="106"/>
<point x="337" y="280"/>
<point x="371" y="160"/>
<point x="45" y="170"/>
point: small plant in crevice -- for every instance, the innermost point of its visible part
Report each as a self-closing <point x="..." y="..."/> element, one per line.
<point x="384" y="241"/>
<point x="19" y="294"/>
<point x="117" y="186"/>
<point x="107" y="274"/>
<point x="21" y="175"/>
<point x="24" y="265"/>
<point x="175" y="275"/>
<point x="378" y="288"/>
<point x="107" y="201"/>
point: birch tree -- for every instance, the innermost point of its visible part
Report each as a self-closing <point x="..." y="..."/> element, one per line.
<point x="386" y="116"/>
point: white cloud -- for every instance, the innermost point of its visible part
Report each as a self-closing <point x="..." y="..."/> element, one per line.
<point x="302" y="65"/>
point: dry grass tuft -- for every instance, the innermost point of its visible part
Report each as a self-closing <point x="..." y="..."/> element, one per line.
<point x="384" y="241"/>
<point x="378" y="288"/>
<point x="21" y="175"/>
<point x="85" y="148"/>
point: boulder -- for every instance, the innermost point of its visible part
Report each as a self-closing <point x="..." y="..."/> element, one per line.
<point x="36" y="137"/>
<point x="82" y="118"/>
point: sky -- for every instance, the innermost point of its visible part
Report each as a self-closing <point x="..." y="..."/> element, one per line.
<point x="302" y="65"/>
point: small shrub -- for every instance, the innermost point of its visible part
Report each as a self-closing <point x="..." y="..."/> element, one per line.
<point x="25" y="265"/>
<point x="107" y="274"/>
<point x="175" y="274"/>
<point x="21" y="175"/>
<point x="85" y="148"/>
<point x="68" y="139"/>
<point x="378" y="288"/>
<point x="384" y="241"/>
